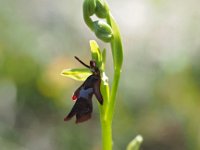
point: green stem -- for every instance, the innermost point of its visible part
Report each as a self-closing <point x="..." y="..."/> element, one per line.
<point x="117" y="52"/>
<point x="113" y="93"/>
<point x="106" y="123"/>
<point x="108" y="108"/>
<point x="107" y="111"/>
<point x="106" y="127"/>
<point x="107" y="32"/>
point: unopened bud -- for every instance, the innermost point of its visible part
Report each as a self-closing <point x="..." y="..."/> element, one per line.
<point x="89" y="7"/>
<point x="101" y="9"/>
<point x="103" y="31"/>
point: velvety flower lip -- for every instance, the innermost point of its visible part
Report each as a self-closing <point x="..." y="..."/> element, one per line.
<point x="83" y="95"/>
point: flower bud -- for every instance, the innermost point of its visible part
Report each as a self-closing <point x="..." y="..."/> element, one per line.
<point x="101" y="10"/>
<point x="103" y="31"/>
<point x="89" y="7"/>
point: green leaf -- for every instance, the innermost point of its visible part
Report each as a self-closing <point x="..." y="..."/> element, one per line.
<point x="79" y="74"/>
<point x="96" y="53"/>
<point x="135" y="143"/>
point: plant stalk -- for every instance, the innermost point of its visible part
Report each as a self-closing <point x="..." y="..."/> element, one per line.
<point x="106" y="127"/>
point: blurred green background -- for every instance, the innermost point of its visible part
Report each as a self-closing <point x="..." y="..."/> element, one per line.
<point x="159" y="93"/>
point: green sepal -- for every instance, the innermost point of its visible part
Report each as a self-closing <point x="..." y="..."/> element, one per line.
<point x="79" y="74"/>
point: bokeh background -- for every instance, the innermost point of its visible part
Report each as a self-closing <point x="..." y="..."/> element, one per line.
<point x="159" y="93"/>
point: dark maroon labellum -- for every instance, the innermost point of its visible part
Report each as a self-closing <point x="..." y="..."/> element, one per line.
<point x="83" y="95"/>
